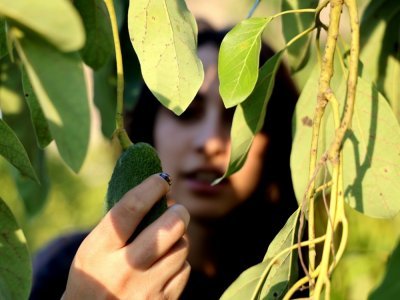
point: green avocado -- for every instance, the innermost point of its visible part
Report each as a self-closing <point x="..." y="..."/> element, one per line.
<point x="136" y="163"/>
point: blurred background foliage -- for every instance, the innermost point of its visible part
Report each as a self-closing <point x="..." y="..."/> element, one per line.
<point x="75" y="201"/>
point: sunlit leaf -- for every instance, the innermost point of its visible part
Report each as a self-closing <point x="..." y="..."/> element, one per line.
<point x="57" y="21"/>
<point x="164" y="35"/>
<point x="99" y="40"/>
<point x="238" y="60"/>
<point x="13" y="151"/>
<point x="380" y="49"/>
<point x="15" y="263"/>
<point x="282" y="273"/>
<point x="292" y="25"/>
<point x="370" y="151"/>
<point x="39" y="121"/>
<point x="58" y="81"/>
<point x="389" y="288"/>
<point x="249" y="115"/>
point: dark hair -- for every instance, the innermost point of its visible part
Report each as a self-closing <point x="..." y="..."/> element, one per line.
<point x="275" y="185"/>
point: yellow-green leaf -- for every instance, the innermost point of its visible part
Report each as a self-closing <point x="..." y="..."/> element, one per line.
<point x="249" y="116"/>
<point x="371" y="160"/>
<point x="238" y="60"/>
<point x="164" y="36"/>
<point x="380" y="49"/>
<point x="57" y="21"/>
<point x="292" y="25"/>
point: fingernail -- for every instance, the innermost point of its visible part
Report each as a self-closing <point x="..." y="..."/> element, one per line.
<point x="166" y="177"/>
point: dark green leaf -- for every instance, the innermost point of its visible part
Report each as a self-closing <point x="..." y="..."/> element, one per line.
<point x="105" y="84"/>
<point x="58" y="81"/>
<point x="39" y="121"/>
<point x="3" y="38"/>
<point x="12" y="150"/>
<point x="56" y="20"/>
<point x="164" y="36"/>
<point x="105" y="96"/>
<point x="10" y="83"/>
<point x="389" y="288"/>
<point x="292" y="25"/>
<point x="249" y="115"/>
<point x="15" y="263"/>
<point x="99" y="44"/>
<point x="238" y="60"/>
<point x="281" y="274"/>
<point x="33" y="194"/>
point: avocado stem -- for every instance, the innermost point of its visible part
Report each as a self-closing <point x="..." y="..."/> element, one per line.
<point x="120" y="131"/>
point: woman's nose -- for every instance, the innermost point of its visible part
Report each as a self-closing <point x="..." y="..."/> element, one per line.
<point x="212" y="137"/>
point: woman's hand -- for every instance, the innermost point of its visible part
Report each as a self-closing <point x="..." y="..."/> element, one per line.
<point x="152" y="266"/>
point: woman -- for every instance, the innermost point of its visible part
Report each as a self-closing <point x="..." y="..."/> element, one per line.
<point x="231" y="224"/>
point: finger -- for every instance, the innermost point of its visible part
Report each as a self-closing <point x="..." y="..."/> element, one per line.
<point x="159" y="237"/>
<point x="174" y="288"/>
<point x="120" y="222"/>
<point x="169" y="264"/>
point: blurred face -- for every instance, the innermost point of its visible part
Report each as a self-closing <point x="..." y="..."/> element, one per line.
<point x="195" y="147"/>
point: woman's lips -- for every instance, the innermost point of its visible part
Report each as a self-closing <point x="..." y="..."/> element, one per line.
<point x="200" y="181"/>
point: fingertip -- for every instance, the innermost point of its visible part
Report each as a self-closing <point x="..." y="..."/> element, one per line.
<point x="182" y="212"/>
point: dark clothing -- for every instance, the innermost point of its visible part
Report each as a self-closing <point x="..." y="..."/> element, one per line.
<point x="51" y="267"/>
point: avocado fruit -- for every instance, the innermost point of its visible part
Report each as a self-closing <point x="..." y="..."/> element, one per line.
<point x="136" y="163"/>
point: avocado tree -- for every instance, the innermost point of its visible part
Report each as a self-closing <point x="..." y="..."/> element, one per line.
<point x="346" y="134"/>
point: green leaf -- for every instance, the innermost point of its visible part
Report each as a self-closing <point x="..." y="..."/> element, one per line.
<point x="57" y="21"/>
<point x="105" y="96"/>
<point x="380" y="49"/>
<point x="249" y="115"/>
<point x="33" y="194"/>
<point x="389" y="288"/>
<point x="3" y="38"/>
<point x="164" y="36"/>
<point x="39" y="121"/>
<point x="15" y="263"/>
<point x="370" y="151"/>
<point x="10" y="85"/>
<point x="105" y="84"/>
<point x="12" y="150"/>
<point x="238" y="60"/>
<point x="292" y="25"/>
<point x="58" y="81"/>
<point x="99" y="44"/>
<point x="281" y="274"/>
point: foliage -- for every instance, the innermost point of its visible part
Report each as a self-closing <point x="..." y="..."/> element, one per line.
<point x="346" y="125"/>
